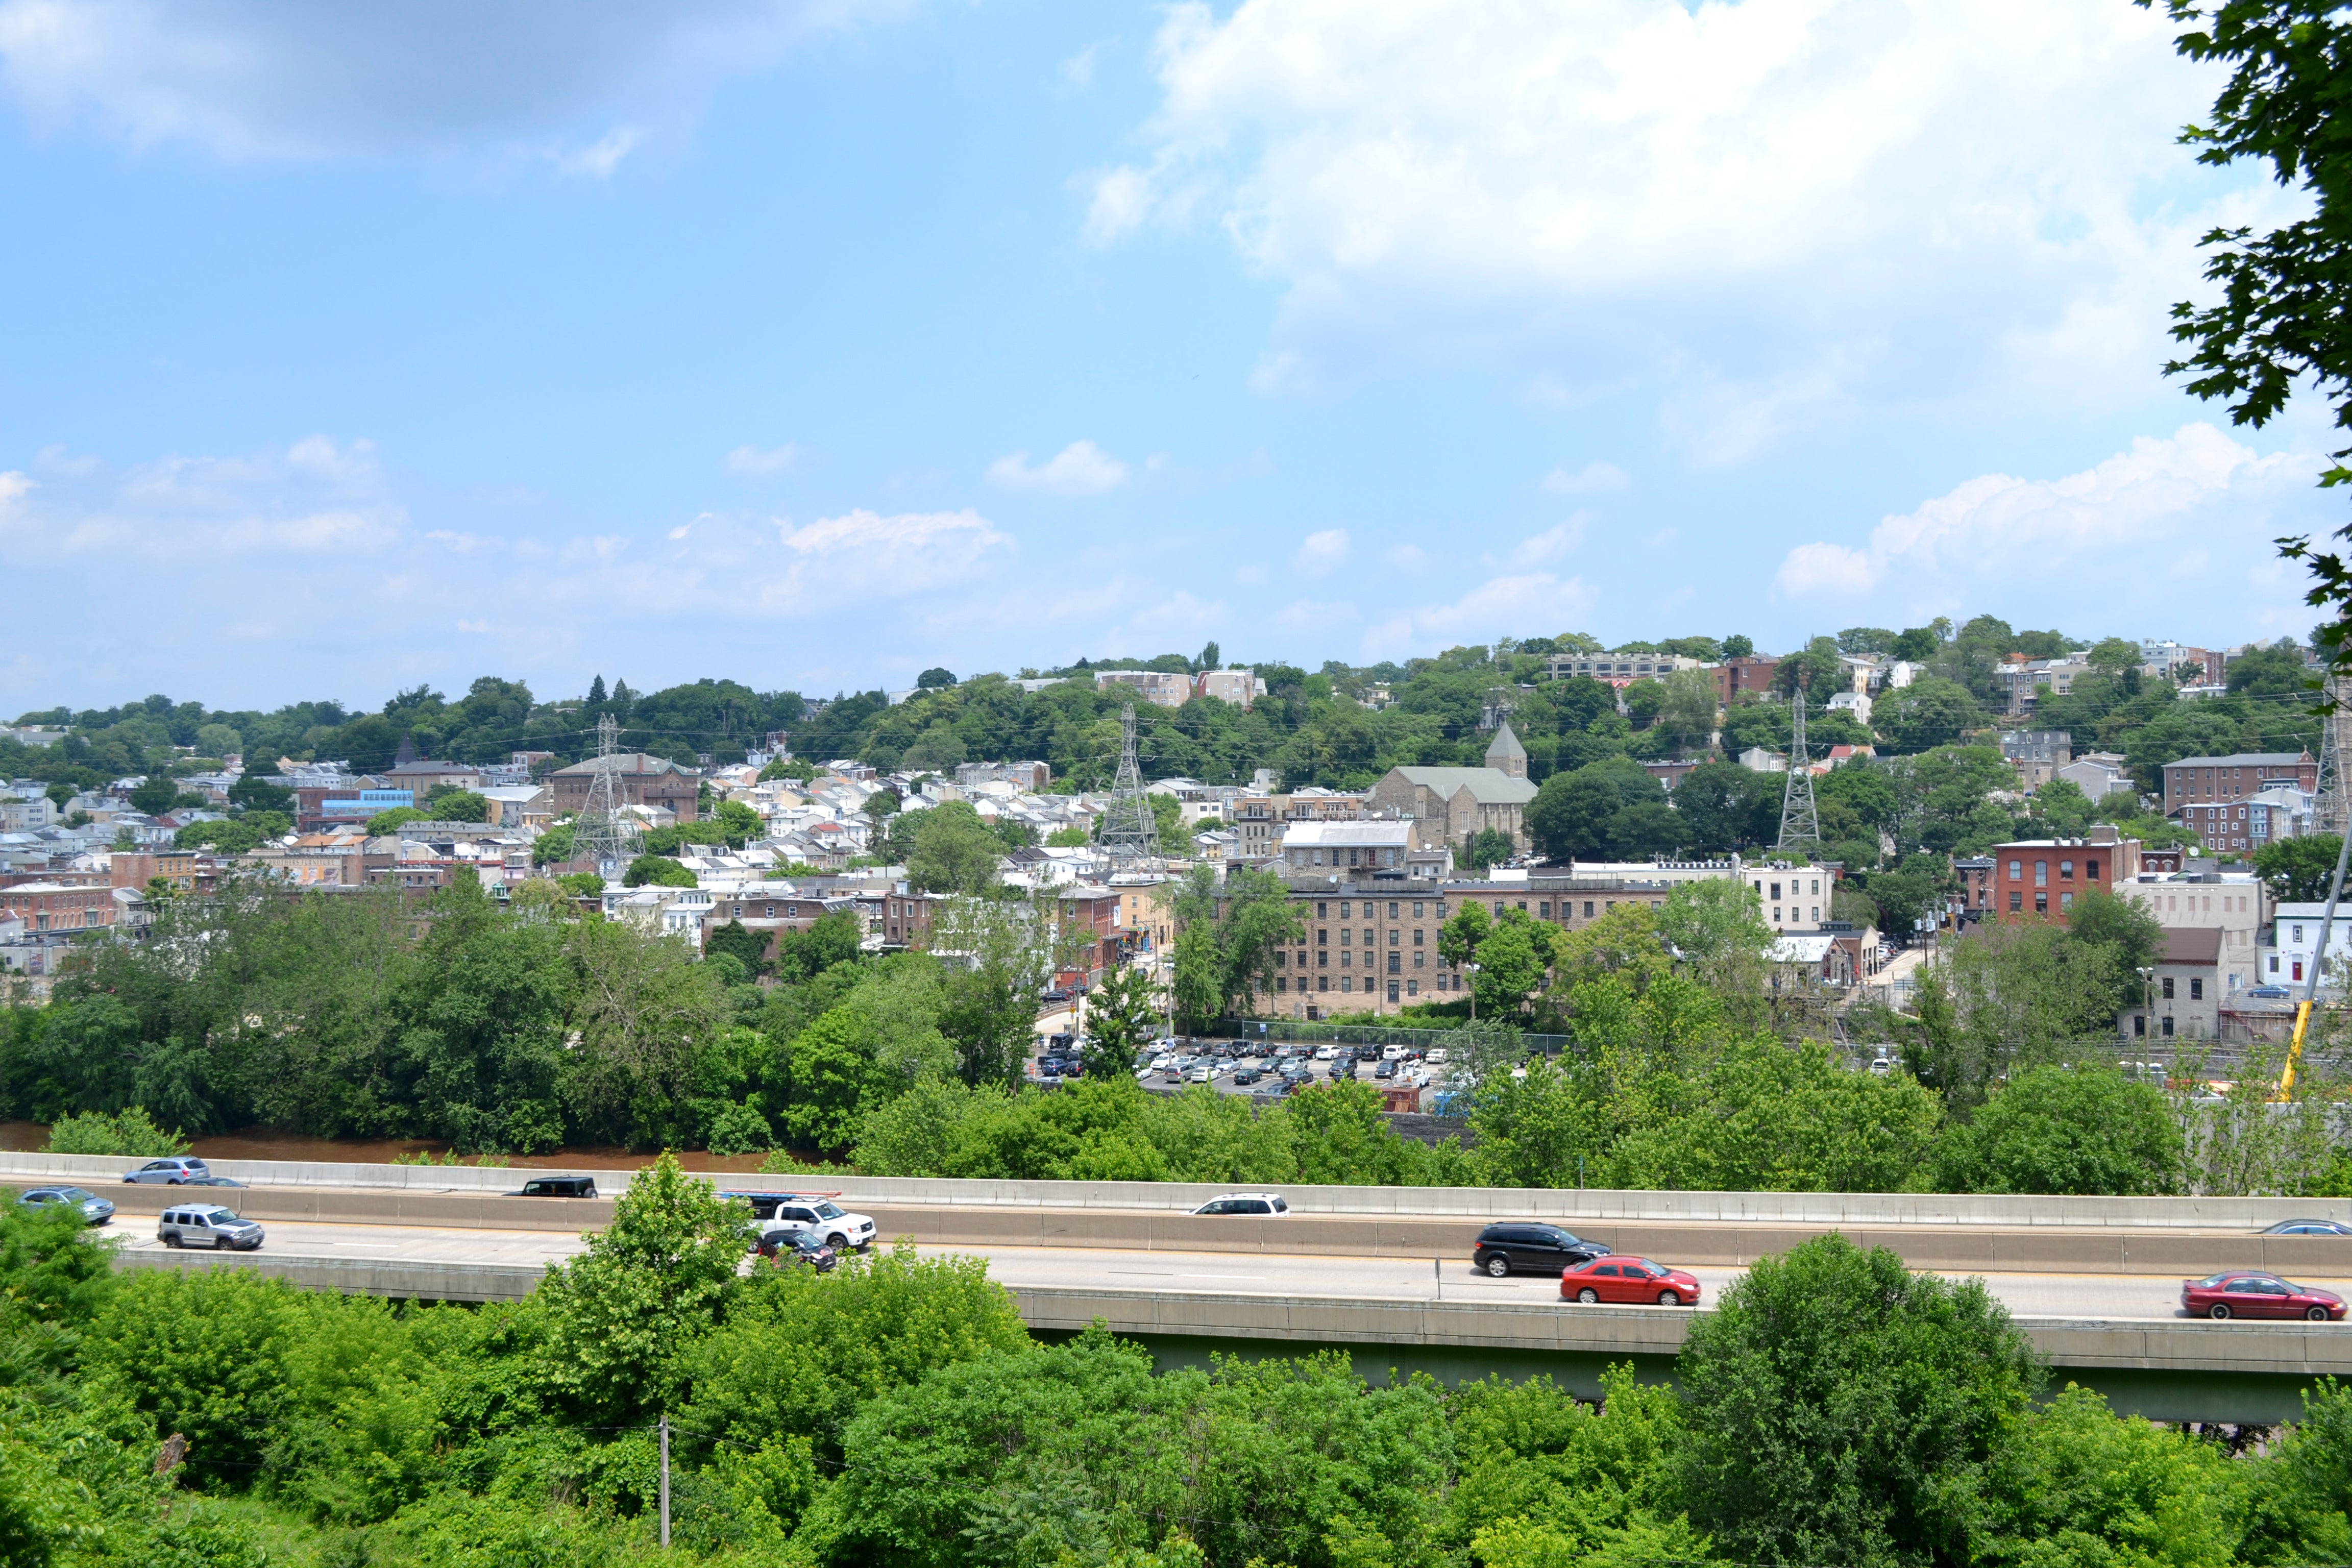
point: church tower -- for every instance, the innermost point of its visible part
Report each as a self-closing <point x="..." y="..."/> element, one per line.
<point x="1506" y="755"/>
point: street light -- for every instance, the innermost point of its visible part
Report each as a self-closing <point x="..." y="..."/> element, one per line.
<point x="1472" y="970"/>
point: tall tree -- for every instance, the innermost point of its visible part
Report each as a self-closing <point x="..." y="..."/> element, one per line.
<point x="2285" y="314"/>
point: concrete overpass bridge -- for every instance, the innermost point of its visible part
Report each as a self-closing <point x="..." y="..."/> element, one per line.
<point x="1381" y="1273"/>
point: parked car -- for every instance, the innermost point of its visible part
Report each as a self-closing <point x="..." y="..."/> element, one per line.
<point x="1634" y="1281"/>
<point x="176" y="1171"/>
<point x="2269" y="993"/>
<point x="95" y="1210"/>
<point x="1243" y="1077"/>
<point x="1202" y="1073"/>
<point x="1384" y="1069"/>
<point x="1506" y="1247"/>
<point x="216" y="1181"/>
<point x="207" y="1225"/>
<point x="2250" y="1293"/>
<point x="1245" y="1204"/>
<point x="1325" y="1053"/>
<point x="789" y="1245"/>
<point x="556" y="1187"/>
<point x="1437" y="1056"/>
<point x="2308" y="1227"/>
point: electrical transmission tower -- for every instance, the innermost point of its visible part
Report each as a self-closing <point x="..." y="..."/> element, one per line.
<point x="2335" y="802"/>
<point x="1801" y="824"/>
<point x="1130" y="832"/>
<point x="600" y="831"/>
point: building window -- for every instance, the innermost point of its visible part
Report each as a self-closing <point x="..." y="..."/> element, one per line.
<point x="1412" y="987"/>
<point x="1776" y="914"/>
<point x="2168" y="1027"/>
<point x="1322" y="911"/>
<point x="1392" y="990"/>
<point x="1417" y="934"/>
<point x="2066" y="870"/>
<point x="2168" y="987"/>
<point x="1396" y="963"/>
<point x="1343" y="910"/>
<point x="1776" y="889"/>
<point x="1346" y="960"/>
<point x="2042" y="873"/>
<point x="1392" y="909"/>
<point x="2196" y="988"/>
<point x="1421" y="960"/>
<point x="2140" y="1025"/>
<point x="1322" y="983"/>
<point x="1322" y="936"/>
<point x="1498" y="908"/>
<point x="2041" y="903"/>
<point x="1416" y="911"/>
<point x="2091" y="870"/>
<point x="2066" y="902"/>
<point x="1322" y="960"/>
<point x="2016" y="871"/>
<point x="1282" y="983"/>
<point x="1347" y="983"/>
<point x="1588" y="909"/>
<point x="1543" y="910"/>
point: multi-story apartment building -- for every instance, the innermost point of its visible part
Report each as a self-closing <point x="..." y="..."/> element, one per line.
<point x="1753" y="673"/>
<point x="54" y="907"/>
<point x="2023" y="680"/>
<point x="2243" y="826"/>
<point x="2240" y="776"/>
<point x="1617" y="668"/>
<point x="2037" y="755"/>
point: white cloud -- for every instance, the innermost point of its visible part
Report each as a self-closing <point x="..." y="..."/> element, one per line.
<point x="1555" y="543"/>
<point x="1591" y="479"/>
<point x="1080" y="468"/>
<point x="1322" y="553"/>
<point x="1515" y="604"/>
<point x="314" y="499"/>
<point x="2087" y="548"/>
<point x="576" y="84"/>
<point x="1771" y="208"/>
<point x="760" y="462"/>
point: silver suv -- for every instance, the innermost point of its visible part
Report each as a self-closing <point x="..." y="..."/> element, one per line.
<point x="207" y="1225"/>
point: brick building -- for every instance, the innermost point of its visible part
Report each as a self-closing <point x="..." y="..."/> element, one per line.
<point x="2044" y="876"/>
<point x="2195" y="781"/>
<point x="637" y="780"/>
<point x="1734" y="676"/>
<point x="54" y="907"/>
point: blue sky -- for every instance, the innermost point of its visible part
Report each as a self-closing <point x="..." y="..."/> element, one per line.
<point x="816" y="343"/>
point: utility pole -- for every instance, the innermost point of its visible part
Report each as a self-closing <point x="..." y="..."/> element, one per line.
<point x="665" y="1482"/>
<point x="1801" y="824"/>
<point x="2335" y="803"/>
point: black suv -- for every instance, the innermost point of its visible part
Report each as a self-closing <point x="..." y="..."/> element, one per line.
<point x="1533" y="1246"/>
<point x="557" y="1187"/>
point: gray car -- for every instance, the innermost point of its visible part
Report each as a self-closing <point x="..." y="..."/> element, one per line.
<point x="177" y="1171"/>
<point x="95" y="1210"/>
<point x="207" y="1225"/>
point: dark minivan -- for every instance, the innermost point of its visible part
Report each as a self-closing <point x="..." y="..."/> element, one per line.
<point x="1532" y="1246"/>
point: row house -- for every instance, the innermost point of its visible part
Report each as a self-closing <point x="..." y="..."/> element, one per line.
<point x="2023" y="680"/>
<point x="2186" y="993"/>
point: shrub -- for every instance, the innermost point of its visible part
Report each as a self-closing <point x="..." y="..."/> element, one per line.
<point x="2065" y="1130"/>
<point x="132" y="1132"/>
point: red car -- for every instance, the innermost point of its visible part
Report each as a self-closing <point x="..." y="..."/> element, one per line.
<point x="1628" y="1280"/>
<point x="2249" y="1293"/>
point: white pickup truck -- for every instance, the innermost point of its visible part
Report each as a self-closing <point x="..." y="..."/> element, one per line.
<point x="812" y="1212"/>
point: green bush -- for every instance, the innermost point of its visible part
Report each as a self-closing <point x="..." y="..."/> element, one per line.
<point x="657" y="870"/>
<point x="740" y="1130"/>
<point x="131" y="1132"/>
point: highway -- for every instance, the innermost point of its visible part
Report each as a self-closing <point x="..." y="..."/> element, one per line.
<point x="2105" y="1296"/>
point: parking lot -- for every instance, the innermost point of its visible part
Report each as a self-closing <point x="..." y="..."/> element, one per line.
<point x="1264" y="1070"/>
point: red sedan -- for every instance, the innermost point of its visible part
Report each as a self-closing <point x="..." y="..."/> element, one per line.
<point x="1628" y="1280"/>
<point x="2249" y="1293"/>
